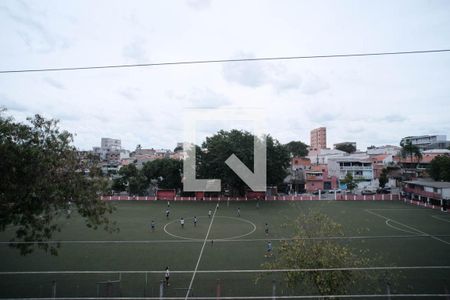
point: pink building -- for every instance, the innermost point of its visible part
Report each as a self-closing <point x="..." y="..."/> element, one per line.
<point x="317" y="178"/>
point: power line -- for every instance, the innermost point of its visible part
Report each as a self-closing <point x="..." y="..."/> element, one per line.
<point x="194" y="62"/>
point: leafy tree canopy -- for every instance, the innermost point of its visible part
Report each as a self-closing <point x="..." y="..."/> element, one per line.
<point x="305" y="251"/>
<point x="383" y="178"/>
<point x="43" y="179"/>
<point x="297" y="148"/>
<point x="219" y="147"/>
<point x="410" y="150"/>
<point x="166" y="171"/>
<point x="349" y="181"/>
<point x="346" y="147"/>
<point x="440" y="168"/>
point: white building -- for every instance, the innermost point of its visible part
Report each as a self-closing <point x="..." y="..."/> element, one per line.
<point x="359" y="166"/>
<point x="112" y="144"/>
<point x="423" y="141"/>
<point x="387" y="149"/>
<point x="321" y="156"/>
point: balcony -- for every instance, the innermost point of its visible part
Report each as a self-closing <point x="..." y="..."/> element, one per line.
<point x="355" y="168"/>
<point x="314" y="177"/>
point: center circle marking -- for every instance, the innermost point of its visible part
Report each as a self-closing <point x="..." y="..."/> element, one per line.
<point x="229" y="238"/>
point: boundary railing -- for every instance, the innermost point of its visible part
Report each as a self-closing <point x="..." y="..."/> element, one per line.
<point x="377" y="197"/>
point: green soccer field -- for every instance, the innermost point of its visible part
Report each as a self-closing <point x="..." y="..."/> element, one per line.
<point x="134" y="259"/>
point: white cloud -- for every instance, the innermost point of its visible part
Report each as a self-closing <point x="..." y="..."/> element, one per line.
<point x="136" y="51"/>
<point x="199" y="4"/>
<point x="251" y="74"/>
<point x="312" y="84"/>
<point x="369" y="100"/>
<point x="54" y="83"/>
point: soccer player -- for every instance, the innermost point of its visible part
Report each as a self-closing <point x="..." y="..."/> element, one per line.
<point x="209" y="213"/>
<point x="195" y="221"/>
<point x="168" y="204"/>
<point x="69" y="208"/>
<point x="269" y="249"/>
<point x="266" y="229"/>
<point x="182" y="222"/>
<point x="167" y="276"/>
<point x="239" y="212"/>
<point x="167" y="213"/>
<point x="153" y="225"/>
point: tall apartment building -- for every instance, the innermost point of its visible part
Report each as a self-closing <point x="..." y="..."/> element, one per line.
<point x="318" y="138"/>
<point x="110" y="149"/>
<point x="112" y="144"/>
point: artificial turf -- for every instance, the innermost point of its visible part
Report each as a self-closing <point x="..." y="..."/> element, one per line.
<point x="401" y="234"/>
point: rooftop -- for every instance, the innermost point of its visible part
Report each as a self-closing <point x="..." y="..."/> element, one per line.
<point x="433" y="184"/>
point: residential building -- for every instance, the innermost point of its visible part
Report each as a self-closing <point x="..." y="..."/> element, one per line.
<point x="438" y="145"/>
<point x="296" y="178"/>
<point x="318" y="178"/>
<point x="386" y="149"/>
<point x="109" y="149"/>
<point x="318" y="138"/>
<point x="380" y="162"/>
<point x="432" y="192"/>
<point x="113" y="144"/>
<point x="416" y="168"/>
<point x="321" y="156"/>
<point x="424" y="141"/>
<point x="359" y="166"/>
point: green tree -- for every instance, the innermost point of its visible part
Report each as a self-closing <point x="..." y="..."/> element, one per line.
<point x="119" y="185"/>
<point x="346" y="147"/>
<point x="166" y="171"/>
<point x="349" y="181"/>
<point x="132" y="180"/>
<point x="42" y="178"/>
<point x="410" y="150"/>
<point x="383" y="178"/>
<point x="305" y="251"/>
<point x="440" y="168"/>
<point x="220" y="146"/>
<point x="297" y="148"/>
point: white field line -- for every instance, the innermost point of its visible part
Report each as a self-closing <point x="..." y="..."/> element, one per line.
<point x="407" y="226"/>
<point x="400" y="229"/>
<point x="384" y="296"/>
<point x="411" y="209"/>
<point x="201" y="253"/>
<point x="437" y="218"/>
<point x="227" y="271"/>
<point x="201" y="240"/>
<point x="228" y="240"/>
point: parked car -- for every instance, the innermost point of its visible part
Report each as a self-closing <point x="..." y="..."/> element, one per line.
<point x="386" y="190"/>
<point x="368" y="192"/>
<point x="332" y="191"/>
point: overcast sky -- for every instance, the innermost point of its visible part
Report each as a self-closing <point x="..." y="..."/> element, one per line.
<point x="370" y="100"/>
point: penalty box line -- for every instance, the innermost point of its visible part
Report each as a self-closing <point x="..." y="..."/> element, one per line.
<point x="407" y="226"/>
<point x="201" y="252"/>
